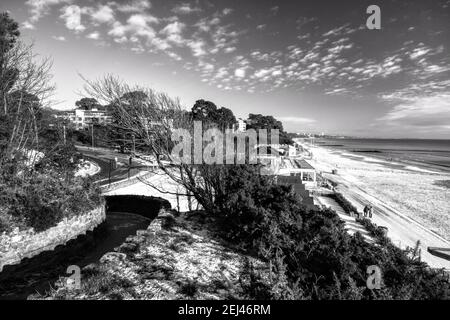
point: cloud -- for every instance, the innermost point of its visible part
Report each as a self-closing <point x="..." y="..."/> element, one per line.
<point x="419" y="52"/>
<point x="230" y="49"/>
<point x="296" y="119"/>
<point x="174" y="56"/>
<point x="136" y="6"/>
<point x="59" y="38"/>
<point x="197" y="47"/>
<point x="239" y="73"/>
<point x="72" y="17"/>
<point x="185" y="8"/>
<point x="173" y="32"/>
<point x="94" y="35"/>
<point x="28" y="25"/>
<point x="137" y="25"/>
<point x="431" y="111"/>
<point x="103" y="14"/>
<point x="40" y="8"/>
<point x="142" y="20"/>
<point x="227" y="11"/>
<point x="345" y="29"/>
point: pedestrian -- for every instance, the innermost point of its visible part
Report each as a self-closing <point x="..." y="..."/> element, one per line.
<point x="370" y="211"/>
<point x="366" y="210"/>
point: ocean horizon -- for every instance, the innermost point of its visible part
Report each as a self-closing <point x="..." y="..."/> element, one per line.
<point x="425" y="152"/>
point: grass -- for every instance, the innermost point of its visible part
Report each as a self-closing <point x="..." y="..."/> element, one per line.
<point x="97" y="281"/>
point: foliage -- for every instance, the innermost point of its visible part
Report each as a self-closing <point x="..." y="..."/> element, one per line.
<point x="87" y="103"/>
<point x="258" y="121"/>
<point x="207" y="112"/>
<point x="40" y="199"/>
<point x="344" y="203"/>
<point x="37" y="183"/>
<point x="309" y="252"/>
<point x="9" y="32"/>
<point x="24" y="88"/>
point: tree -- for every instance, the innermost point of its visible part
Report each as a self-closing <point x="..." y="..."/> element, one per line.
<point x="118" y="132"/>
<point x="153" y="121"/>
<point x="24" y="88"/>
<point x="207" y="111"/>
<point x="225" y="118"/>
<point x="258" y="121"/>
<point x="136" y="97"/>
<point x="36" y="163"/>
<point x="204" y="111"/>
<point x="87" y="103"/>
<point x="9" y="33"/>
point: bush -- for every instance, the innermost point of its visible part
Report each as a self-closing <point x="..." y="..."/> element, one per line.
<point x="40" y="199"/>
<point x="344" y="203"/>
<point x="311" y="254"/>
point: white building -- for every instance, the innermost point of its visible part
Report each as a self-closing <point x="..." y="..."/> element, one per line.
<point x="292" y="152"/>
<point x="241" y="125"/>
<point x="82" y="118"/>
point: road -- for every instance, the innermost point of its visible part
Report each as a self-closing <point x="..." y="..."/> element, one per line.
<point x="103" y="158"/>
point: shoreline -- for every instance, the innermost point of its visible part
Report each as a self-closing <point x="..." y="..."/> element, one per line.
<point x="404" y="197"/>
<point x="392" y="157"/>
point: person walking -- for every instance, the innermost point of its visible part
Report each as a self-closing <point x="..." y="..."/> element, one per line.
<point x="370" y="211"/>
<point x="366" y="210"/>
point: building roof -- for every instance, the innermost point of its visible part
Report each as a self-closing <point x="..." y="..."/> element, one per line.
<point x="302" y="164"/>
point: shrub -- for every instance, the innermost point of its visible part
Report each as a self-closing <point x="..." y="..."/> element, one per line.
<point x="312" y="254"/>
<point x="40" y="199"/>
<point x="344" y="203"/>
<point x="189" y="288"/>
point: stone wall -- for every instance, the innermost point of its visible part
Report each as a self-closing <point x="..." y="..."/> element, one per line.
<point x="18" y="245"/>
<point x="126" y="182"/>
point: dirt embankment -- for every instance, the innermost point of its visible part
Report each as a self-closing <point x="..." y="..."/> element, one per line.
<point x="177" y="257"/>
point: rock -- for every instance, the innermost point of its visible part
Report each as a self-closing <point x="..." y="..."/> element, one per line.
<point x="113" y="257"/>
<point x="142" y="233"/>
<point x="16" y="238"/>
<point x="155" y="226"/>
<point x="165" y="214"/>
<point x="128" y="247"/>
<point x="135" y="239"/>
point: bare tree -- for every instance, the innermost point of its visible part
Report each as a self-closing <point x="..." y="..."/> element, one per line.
<point x="151" y="120"/>
<point x="25" y="88"/>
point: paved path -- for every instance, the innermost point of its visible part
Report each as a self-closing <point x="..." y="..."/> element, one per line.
<point x="403" y="231"/>
<point x="351" y="225"/>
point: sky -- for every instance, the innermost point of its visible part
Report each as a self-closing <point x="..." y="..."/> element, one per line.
<point x="314" y="65"/>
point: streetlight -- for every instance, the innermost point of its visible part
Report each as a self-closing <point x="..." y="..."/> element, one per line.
<point x="92" y="135"/>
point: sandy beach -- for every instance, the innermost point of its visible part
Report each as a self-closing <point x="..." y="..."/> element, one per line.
<point x="406" y="198"/>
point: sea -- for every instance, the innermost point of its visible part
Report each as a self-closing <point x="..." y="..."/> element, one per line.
<point x="429" y="154"/>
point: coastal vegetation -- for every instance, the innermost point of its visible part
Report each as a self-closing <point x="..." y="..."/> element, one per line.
<point x="37" y="164"/>
<point x="307" y="252"/>
<point x="344" y="203"/>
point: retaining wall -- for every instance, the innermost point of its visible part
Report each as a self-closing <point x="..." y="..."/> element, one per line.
<point x="125" y="183"/>
<point x="26" y="244"/>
